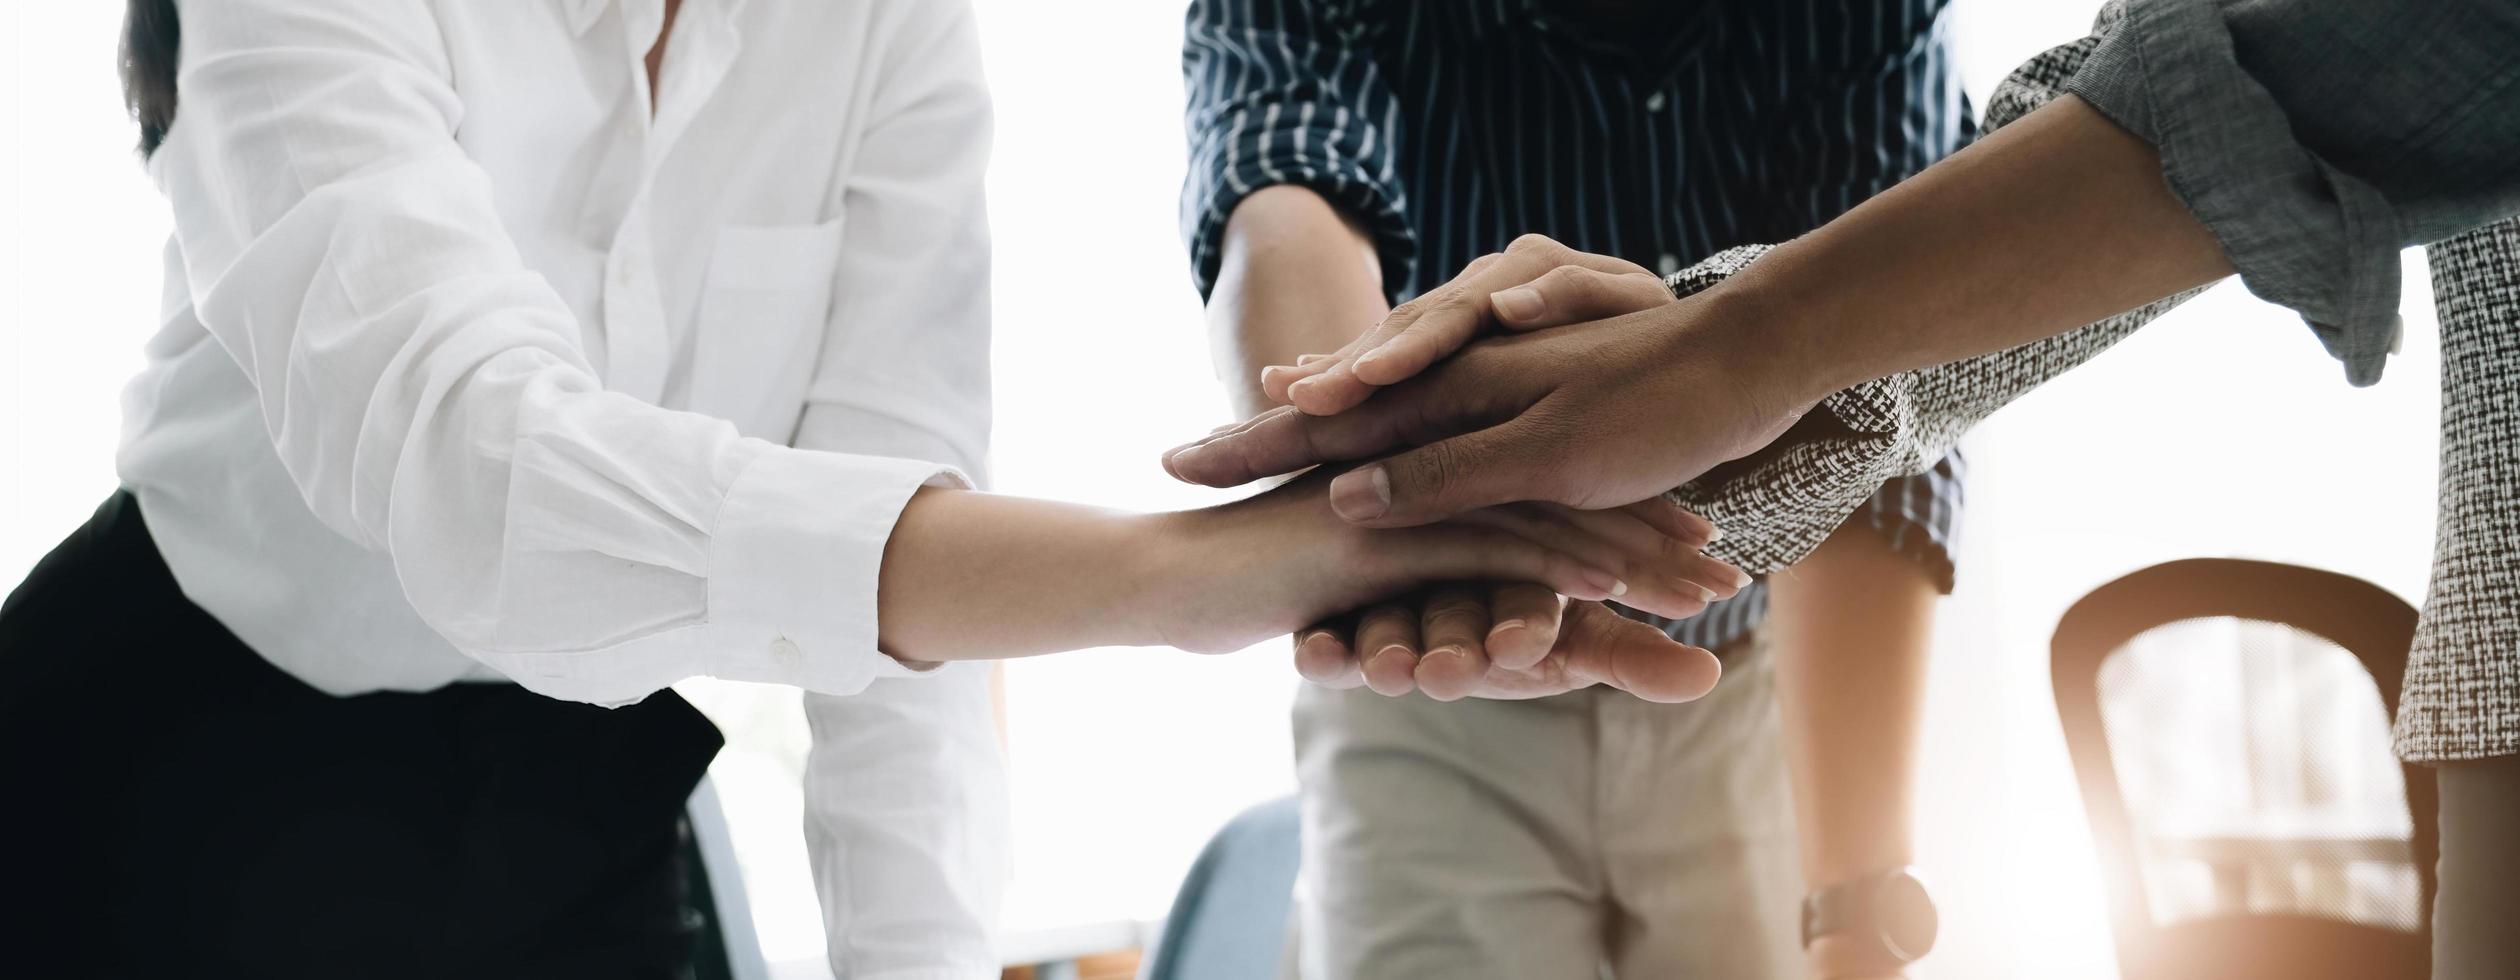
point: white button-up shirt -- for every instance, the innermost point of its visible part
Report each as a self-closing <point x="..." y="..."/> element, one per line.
<point x="477" y="363"/>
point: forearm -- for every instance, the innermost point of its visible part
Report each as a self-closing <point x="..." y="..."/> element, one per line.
<point x="2050" y="223"/>
<point x="1851" y="626"/>
<point x="1297" y="277"/>
<point x="973" y="576"/>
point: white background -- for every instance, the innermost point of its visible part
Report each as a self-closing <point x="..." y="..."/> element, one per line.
<point x="2222" y="430"/>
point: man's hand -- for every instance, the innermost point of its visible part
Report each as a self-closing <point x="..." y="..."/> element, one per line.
<point x="1563" y="286"/>
<point x="1592" y="415"/>
<point x="1505" y="640"/>
<point x="1509" y="642"/>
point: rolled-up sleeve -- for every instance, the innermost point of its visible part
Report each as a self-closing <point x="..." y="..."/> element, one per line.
<point x="430" y="397"/>
<point x="2316" y="139"/>
<point x="1285" y="92"/>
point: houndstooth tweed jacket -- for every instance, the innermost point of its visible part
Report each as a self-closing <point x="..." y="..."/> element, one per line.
<point x="2461" y="698"/>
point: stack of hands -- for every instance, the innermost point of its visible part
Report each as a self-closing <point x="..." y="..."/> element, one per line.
<point x="1536" y="393"/>
<point x="1556" y="395"/>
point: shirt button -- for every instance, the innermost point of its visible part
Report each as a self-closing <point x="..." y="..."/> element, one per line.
<point x="1669" y="263"/>
<point x="1654" y="102"/>
<point x="784" y="648"/>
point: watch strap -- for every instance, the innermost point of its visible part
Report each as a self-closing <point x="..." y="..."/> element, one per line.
<point x="1855" y="910"/>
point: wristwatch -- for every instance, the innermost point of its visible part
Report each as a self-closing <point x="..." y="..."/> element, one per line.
<point x="1885" y="910"/>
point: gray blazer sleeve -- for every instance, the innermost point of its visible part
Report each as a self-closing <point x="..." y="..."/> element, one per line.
<point x="1787" y="500"/>
<point x="2318" y="138"/>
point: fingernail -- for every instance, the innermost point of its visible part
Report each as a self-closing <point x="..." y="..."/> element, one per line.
<point x="1518" y="303"/>
<point x="1185" y="454"/>
<point x="1714" y="534"/>
<point x="1705" y="594"/>
<point x="1361" y="495"/>
<point x="1510" y="624"/>
<point x="1370" y="358"/>
<point x="1455" y="654"/>
<point x="1618" y="588"/>
<point x="1741" y="579"/>
<point x="1305" y="360"/>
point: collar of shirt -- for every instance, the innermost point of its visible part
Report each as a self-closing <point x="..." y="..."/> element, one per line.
<point x="583" y="13"/>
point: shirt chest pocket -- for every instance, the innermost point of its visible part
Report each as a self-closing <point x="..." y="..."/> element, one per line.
<point x="761" y="323"/>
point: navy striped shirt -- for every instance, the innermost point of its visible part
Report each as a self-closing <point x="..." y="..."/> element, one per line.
<point x="1448" y="128"/>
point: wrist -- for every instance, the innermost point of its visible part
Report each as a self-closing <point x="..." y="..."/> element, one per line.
<point x="1296" y="275"/>
<point x="1151" y="557"/>
<point x="1764" y="338"/>
<point x="1730" y="347"/>
<point x="1872" y="925"/>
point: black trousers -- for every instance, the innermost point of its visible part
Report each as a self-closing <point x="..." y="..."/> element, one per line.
<point x="177" y="807"/>
<point x="2476" y="914"/>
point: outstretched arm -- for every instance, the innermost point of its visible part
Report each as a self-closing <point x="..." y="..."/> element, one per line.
<point x="2055" y="221"/>
<point x="972" y="576"/>
<point x="2043" y="226"/>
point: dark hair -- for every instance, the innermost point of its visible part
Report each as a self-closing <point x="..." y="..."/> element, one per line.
<point x="151" y="38"/>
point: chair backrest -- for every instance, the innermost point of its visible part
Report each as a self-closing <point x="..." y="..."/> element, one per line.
<point x="2234" y="766"/>
<point x="1228" y="921"/>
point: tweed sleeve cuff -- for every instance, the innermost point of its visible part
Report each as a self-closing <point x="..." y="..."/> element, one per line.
<point x="1787" y="499"/>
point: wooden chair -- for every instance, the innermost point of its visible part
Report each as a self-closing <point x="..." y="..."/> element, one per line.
<point x="2236" y="941"/>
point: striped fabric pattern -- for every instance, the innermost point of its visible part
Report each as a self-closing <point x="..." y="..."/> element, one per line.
<point x="1448" y="128"/>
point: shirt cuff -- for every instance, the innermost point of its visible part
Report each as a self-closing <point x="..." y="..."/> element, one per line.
<point x="794" y="565"/>
<point x="1350" y="189"/>
<point x="1919" y="517"/>
<point x="2301" y="233"/>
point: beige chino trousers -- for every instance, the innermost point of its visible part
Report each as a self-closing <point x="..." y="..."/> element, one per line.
<point x="1581" y="836"/>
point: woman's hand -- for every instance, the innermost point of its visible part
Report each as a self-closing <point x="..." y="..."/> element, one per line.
<point x="1507" y="642"/>
<point x="1233" y="575"/>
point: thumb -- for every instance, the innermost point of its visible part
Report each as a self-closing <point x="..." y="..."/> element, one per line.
<point x="1575" y="294"/>
<point x="1496" y="465"/>
<point x="1635" y="657"/>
